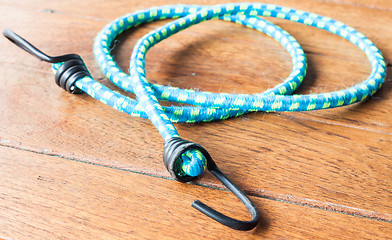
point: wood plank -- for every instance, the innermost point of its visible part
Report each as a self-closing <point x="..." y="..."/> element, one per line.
<point x="375" y="4"/>
<point x="351" y="168"/>
<point x="370" y="21"/>
<point x="330" y="63"/>
<point x="60" y="122"/>
<point x="45" y="197"/>
<point x="261" y="152"/>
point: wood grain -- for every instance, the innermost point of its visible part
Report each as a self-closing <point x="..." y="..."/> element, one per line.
<point x="338" y="159"/>
<point x="375" y="4"/>
<point x="59" y="198"/>
<point x="320" y="78"/>
<point x="365" y="19"/>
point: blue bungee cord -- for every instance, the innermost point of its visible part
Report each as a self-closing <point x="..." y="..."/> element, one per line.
<point x="186" y="160"/>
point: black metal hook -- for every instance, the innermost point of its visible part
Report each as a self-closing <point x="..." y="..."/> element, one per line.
<point x="225" y="220"/>
<point x="174" y="148"/>
<point x="72" y="69"/>
<point x="28" y="47"/>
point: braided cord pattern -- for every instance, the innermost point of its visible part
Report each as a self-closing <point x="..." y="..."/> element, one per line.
<point x="213" y="106"/>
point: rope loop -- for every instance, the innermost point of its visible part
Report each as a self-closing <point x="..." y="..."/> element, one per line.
<point x="186" y="160"/>
<point x="209" y="106"/>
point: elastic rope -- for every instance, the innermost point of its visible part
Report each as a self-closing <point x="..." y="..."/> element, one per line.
<point x="217" y="106"/>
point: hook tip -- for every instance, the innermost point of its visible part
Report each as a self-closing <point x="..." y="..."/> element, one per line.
<point x="227" y="221"/>
<point x="8" y="33"/>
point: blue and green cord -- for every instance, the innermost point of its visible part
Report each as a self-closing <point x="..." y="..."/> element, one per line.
<point x="209" y="106"/>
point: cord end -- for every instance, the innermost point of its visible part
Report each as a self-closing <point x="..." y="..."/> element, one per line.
<point x="173" y="154"/>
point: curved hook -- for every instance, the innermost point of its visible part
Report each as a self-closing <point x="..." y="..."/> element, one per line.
<point x="71" y="70"/>
<point x="225" y="220"/>
<point x="173" y="148"/>
<point x="28" y="47"/>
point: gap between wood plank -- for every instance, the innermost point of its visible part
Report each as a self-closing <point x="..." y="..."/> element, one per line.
<point x="306" y="202"/>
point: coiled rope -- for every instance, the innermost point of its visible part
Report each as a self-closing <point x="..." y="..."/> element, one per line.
<point x="218" y="106"/>
<point x="186" y="160"/>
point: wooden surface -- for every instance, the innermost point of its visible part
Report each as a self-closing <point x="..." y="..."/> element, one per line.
<point x="72" y="167"/>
